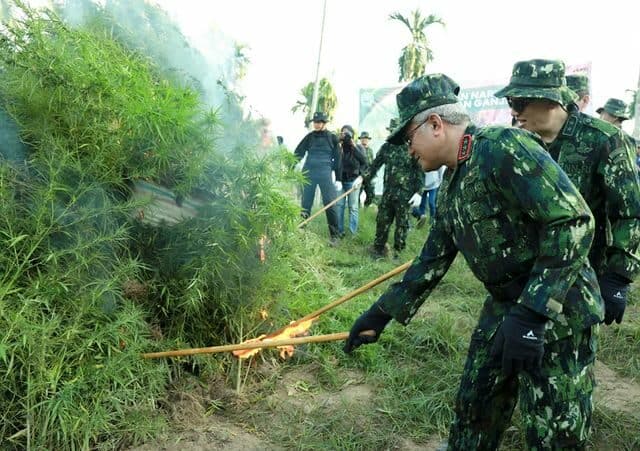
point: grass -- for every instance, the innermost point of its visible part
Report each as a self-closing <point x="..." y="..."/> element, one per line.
<point x="93" y="115"/>
<point x="413" y="372"/>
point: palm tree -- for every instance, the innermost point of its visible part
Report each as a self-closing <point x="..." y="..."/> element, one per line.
<point x="240" y="61"/>
<point x="415" y="56"/>
<point x="327" y="100"/>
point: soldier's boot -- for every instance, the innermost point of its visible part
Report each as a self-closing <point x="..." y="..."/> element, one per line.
<point x="379" y="252"/>
<point x="396" y="254"/>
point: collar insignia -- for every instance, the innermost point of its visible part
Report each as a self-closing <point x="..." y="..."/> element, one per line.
<point x="464" y="148"/>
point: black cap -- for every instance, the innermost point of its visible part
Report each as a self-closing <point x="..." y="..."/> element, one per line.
<point x="319" y="116"/>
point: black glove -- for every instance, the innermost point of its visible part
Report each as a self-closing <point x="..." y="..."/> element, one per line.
<point x="373" y="319"/>
<point x="520" y="341"/>
<point x="368" y="190"/>
<point x="613" y="289"/>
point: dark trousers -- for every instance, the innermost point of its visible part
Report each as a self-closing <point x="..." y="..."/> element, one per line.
<point x="322" y="178"/>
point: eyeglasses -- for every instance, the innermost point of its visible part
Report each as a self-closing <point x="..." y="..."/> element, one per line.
<point x="408" y="137"/>
<point x="518" y="104"/>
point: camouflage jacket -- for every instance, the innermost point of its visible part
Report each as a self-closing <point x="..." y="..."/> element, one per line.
<point x="402" y="173"/>
<point x="601" y="164"/>
<point x="523" y="229"/>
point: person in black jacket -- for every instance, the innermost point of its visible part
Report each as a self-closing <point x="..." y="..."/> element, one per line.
<point x="354" y="164"/>
<point x="323" y="168"/>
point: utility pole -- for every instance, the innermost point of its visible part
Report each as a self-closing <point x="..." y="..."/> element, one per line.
<point x="316" y="87"/>
<point x="636" y="121"/>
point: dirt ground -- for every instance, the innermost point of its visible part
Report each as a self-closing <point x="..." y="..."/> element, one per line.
<point x="195" y="428"/>
<point x="617" y="393"/>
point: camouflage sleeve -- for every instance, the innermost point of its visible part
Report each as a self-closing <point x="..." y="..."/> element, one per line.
<point x="378" y="161"/>
<point x="417" y="179"/>
<point x="402" y="299"/>
<point x="620" y="175"/>
<point x="527" y="176"/>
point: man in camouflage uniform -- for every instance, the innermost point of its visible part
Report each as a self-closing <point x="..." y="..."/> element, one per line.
<point x="402" y="178"/>
<point x="368" y="190"/>
<point x="365" y="138"/>
<point x="579" y="84"/>
<point x="524" y="230"/>
<point x="598" y="159"/>
<point x="615" y="111"/>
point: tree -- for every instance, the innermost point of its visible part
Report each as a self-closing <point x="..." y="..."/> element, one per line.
<point x="327" y="101"/>
<point x="417" y="53"/>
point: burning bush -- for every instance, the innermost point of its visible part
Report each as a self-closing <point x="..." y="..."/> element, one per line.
<point x="96" y="117"/>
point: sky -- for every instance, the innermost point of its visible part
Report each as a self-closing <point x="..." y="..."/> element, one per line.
<point x="478" y="45"/>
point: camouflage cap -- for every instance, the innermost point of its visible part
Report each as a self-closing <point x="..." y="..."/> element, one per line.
<point x="615" y="107"/>
<point x="393" y="123"/>
<point x="364" y="135"/>
<point x="578" y="83"/>
<point x="319" y="116"/>
<point x="421" y="94"/>
<point x="539" y="79"/>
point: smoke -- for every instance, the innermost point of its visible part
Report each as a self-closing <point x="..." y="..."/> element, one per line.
<point x="11" y="147"/>
<point x="206" y="61"/>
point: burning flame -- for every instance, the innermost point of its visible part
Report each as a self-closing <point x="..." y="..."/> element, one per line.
<point x="294" y="329"/>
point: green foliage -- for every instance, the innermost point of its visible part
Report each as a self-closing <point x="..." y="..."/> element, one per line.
<point x="204" y="274"/>
<point x="72" y="89"/>
<point x="327" y="100"/>
<point x="95" y="116"/>
<point x="70" y="362"/>
<point x="417" y="54"/>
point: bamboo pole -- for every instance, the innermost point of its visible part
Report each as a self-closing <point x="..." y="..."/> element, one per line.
<point x="329" y="205"/>
<point x="348" y="296"/>
<point x="291" y="341"/>
<point x="258" y="344"/>
<point x="314" y="315"/>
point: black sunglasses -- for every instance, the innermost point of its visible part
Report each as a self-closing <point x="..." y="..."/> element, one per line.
<point x="409" y="136"/>
<point x="518" y="104"/>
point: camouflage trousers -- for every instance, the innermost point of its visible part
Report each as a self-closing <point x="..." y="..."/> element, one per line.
<point x="555" y="402"/>
<point x="390" y="209"/>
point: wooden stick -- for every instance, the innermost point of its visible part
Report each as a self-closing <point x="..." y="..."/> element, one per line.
<point x="350" y="295"/>
<point x="314" y="315"/>
<point x="329" y="205"/>
<point x="291" y="341"/>
<point x="258" y="344"/>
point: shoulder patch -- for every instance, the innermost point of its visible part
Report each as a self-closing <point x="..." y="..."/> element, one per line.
<point x="605" y="127"/>
<point x="570" y="126"/>
<point x="464" y="147"/>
